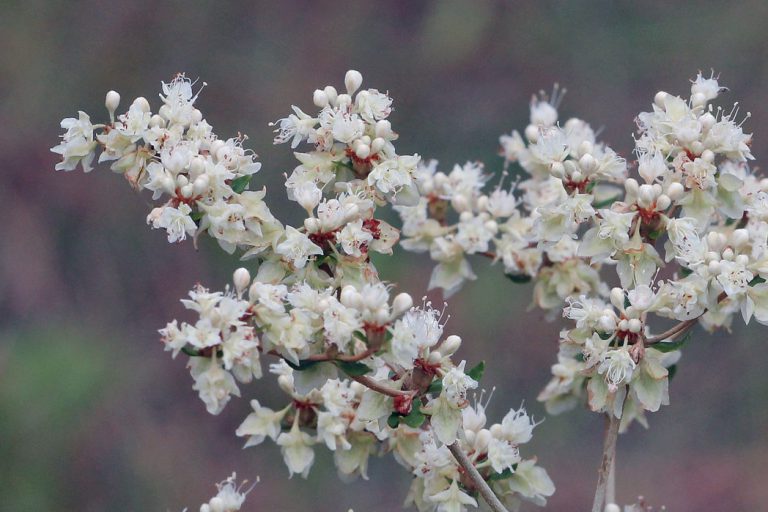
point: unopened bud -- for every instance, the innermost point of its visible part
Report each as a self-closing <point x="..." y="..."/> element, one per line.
<point x="330" y="92"/>
<point x="242" y="279"/>
<point x="675" y="191"/>
<point x="350" y="297"/>
<point x="112" y="101"/>
<point x="659" y="99"/>
<point x="352" y="81"/>
<point x="532" y="133"/>
<point x="319" y="98"/>
<point x="617" y="298"/>
<point x="402" y="303"/>
<point x="450" y="345"/>
<point x="142" y="103"/>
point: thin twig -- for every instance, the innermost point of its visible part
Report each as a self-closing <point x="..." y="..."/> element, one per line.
<point x="673" y="331"/>
<point x="609" y="454"/>
<point x="480" y="484"/>
<point x="342" y="357"/>
<point x="379" y="387"/>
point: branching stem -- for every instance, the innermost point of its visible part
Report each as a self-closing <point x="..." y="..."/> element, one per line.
<point x="477" y="479"/>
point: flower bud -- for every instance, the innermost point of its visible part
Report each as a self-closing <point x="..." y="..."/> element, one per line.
<point x="187" y="190"/>
<point x="312" y="225"/>
<point x="739" y="237"/>
<point x="612" y="507"/>
<point x="402" y="303"/>
<point x="241" y="278"/>
<point x="675" y="191"/>
<point x="156" y="121"/>
<point x="532" y="133"/>
<point x="698" y="100"/>
<point x="482" y="440"/>
<point x="646" y="195"/>
<point x="352" y="81"/>
<point x="708" y="156"/>
<point x="350" y="297"/>
<point x="631" y="186"/>
<point x="450" y="345"/>
<point x="434" y="357"/>
<point x="617" y="298"/>
<point x="377" y="145"/>
<point x="663" y="202"/>
<point x="383" y="129"/>
<point x="330" y="92"/>
<point x="363" y="151"/>
<point x="286" y="383"/>
<point x="319" y="98"/>
<point x="142" y="103"/>
<point x="557" y="170"/>
<point x="201" y="184"/>
<point x="112" y="101"/>
<point x="588" y="163"/>
<point x="197" y="116"/>
<point x="707" y="121"/>
<point x="635" y="325"/>
<point x="659" y="99"/>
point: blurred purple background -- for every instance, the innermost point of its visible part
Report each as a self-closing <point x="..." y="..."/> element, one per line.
<point x="95" y="416"/>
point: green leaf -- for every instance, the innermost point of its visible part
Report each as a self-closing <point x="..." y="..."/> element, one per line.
<point x="518" y="278"/>
<point x="756" y="280"/>
<point x="606" y="202"/>
<point x="672" y="371"/>
<point x="671" y="346"/>
<point x="685" y="271"/>
<point x="191" y="352"/>
<point x="196" y="216"/>
<point x="355" y="369"/>
<point x="436" y="387"/>
<point x="579" y="357"/>
<point x="477" y="371"/>
<point x="507" y="473"/>
<point x="303" y="365"/>
<point x="415" y="418"/>
<point x="394" y="420"/>
<point x="240" y="184"/>
<point x="361" y="336"/>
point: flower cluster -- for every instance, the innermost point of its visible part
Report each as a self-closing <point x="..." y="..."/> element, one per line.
<point x="229" y="498"/>
<point x="365" y="371"/>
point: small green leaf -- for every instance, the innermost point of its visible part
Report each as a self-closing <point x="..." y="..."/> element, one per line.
<point x="361" y="336"/>
<point x="196" y="216"/>
<point x="415" y="418"/>
<point x="685" y="271"/>
<point x="756" y="280"/>
<point x="394" y="420"/>
<point x="671" y="346"/>
<point x="507" y="473"/>
<point x="191" y="352"/>
<point x="518" y="278"/>
<point x="579" y="357"/>
<point x="606" y="202"/>
<point x="238" y="185"/>
<point x="436" y="387"/>
<point x="672" y="371"/>
<point x="303" y="365"/>
<point x="477" y="371"/>
<point x="355" y="369"/>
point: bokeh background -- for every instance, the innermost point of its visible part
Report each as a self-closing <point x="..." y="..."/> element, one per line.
<point x="94" y="416"/>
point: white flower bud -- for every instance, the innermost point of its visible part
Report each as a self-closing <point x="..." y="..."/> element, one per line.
<point x="112" y="101"/>
<point x="482" y="439"/>
<point x="624" y="324"/>
<point x="460" y="203"/>
<point x="728" y="254"/>
<point x="377" y="145"/>
<point x="659" y="99"/>
<point x="588" y="163"/>
<point x="350" y="297"/>
<point x="216" y="504"/>
<point x="557" y="170"/>
<point x="330" y="92"/>
<point x="708" y="156"/>
<point x="197" y="116"/>
<point x="363" y="151"/>
<point x="181" y="180"/>
<point x="156" y="121"/>
<point x="497" y="431"/>
<point x="142" y="103"/>
<point x="742" y="259"/>
<point x="402" y="303"/>
<point x="201" y="184"/>
<point x="241" y="278"/>
<point x="352" y="81"/>
<point x="196" y="166"/>
<point x="312" y="225"/>
<point x="319" y="98"/>
<point x="617" y="298"/>
<point x="675" y="191"/>
<point x="697" y="147"/>
<point x="714" y="267"/>
<point x="577" y="177"/>
<point x="707" y="121"/>
<point x="631" y="186"/>
<point x="607" y="323"/>
<point x="532" y="133"/>
<point x="612" y="507"/>
<point x="434" y="357"/>
<point x="585" y="147"/>
<point x="187" y="190"/>
<point x="739" y="237"/>
<point x="343" y="101"/>
<point x="286" y="383"/>
<point x="635" y="325"/>
<point x="383" y="129"/>
<point x="450" y="345"/>
<point x="646" y="195"/>
<point x="663" y="202"/>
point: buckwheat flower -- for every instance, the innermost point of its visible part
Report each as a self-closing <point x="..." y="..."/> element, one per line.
<point x="391" y="176"/>
<point x="297" y="247"/>
<point x="296" y="127"/>
<point x="453" y="268"/>
<point x="373" y="105"/>
<point x="230" y="496"/>
<point x="263" y="422"/>
<point x="531" y="482"/>
<point x="517" y="427"/>
<point x="214" y="384"/>
<point x="354" y="239"/>
<point x="173" y="338"/>
<point x="340" y="323"/>
<point x="617" y="366"/>
<point x="502" y="454"/>
<point x="176" y="221"/>
<point x="77" y="145"/>
<point x="178" y="102"/>
<point x="296" y="447"/>
<point x="475" y="233"/>
<point x="452" y="499"/>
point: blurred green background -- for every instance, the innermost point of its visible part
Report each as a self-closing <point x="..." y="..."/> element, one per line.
<point x="94" y="416"/>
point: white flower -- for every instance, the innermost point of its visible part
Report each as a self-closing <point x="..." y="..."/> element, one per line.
<point x="77" y="146"/>
<point x="502" y="454"/>
<point x="354" y="239"/>
<point x="230" y="496"/>
<point x="296" y="447"/>
<point x="452" y="499"/>
<point x="517" y="427"/>
<point x="296" y="127"/>
<point x="618" y="366"/>
<point x="260" y="424"/>
<point x="213" y="383"/>
<point x="455" y="385"/>
<point x="297" y="247"/>
<point x="176" y="221"/>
